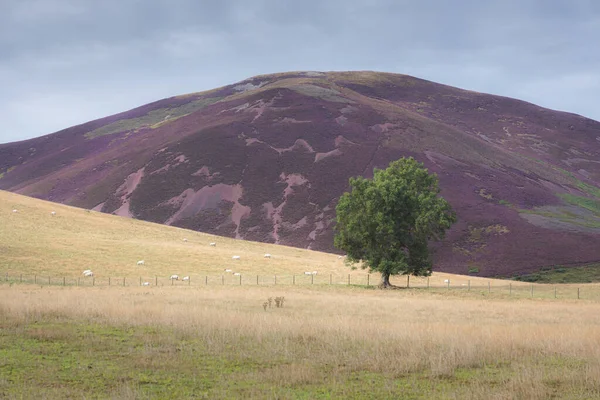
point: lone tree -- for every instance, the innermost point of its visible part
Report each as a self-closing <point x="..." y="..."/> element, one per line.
<point x="386" y="222"/>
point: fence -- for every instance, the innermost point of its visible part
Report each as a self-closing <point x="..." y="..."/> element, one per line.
<point x="480" y="286"/>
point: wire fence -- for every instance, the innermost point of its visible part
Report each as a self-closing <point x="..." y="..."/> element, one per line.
<point x="479" y="286"/>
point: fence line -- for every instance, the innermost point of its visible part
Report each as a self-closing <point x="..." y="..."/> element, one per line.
<point x="516" y="289"/>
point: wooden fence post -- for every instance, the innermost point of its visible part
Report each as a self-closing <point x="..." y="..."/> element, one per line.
<point x="532" y="290"/>
<point x="427" y="282"/>
<point x="240" y="279"/>
<point x="256" y="280"/>
<point x="407" y="281"/>
<point x="140" y="281"/>
<point x="206" y="280"/>
<point x="93" y="281"/>
<point x="190" y="281"/>
<point x="35" y="279"/>
<point x="293" y="279"/>
<point x="330" y="276"/>
<point x="21" y="278"/>
<point x="510" y="289"/>
<point x="222" y="280"/>
<point x="348" y="279"/>
<point x="64" y="281"/>
<point x="448" y="283"/>
<point x="123" y="281"/>
<point x="48" y="280"/>
<point x="312" y="279"/>
<point x="469" y="287"/>
<point x="577" y="293"/>
<point x="275" y="279"/>
<point x="77" y="281"/>
<point x="368" y="279"/>
<point x="109" y="281"/>
<point x="554" y="291"/>
<point x="489" y="287"/>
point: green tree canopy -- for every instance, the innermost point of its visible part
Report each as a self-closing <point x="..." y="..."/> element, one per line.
<point x="386" y="222"/>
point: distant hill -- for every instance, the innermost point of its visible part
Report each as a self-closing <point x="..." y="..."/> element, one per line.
<point x="266" y="159"/>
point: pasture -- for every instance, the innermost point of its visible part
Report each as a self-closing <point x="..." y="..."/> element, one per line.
<point x="222" y="341"/>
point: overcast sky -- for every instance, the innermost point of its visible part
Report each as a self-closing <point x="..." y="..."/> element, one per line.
<point x="65" y="62"/>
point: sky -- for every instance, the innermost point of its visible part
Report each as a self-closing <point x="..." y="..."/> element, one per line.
<point x="65" y="62"/>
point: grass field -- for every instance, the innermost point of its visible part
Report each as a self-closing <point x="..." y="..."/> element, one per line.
<point x="222" y="342"/>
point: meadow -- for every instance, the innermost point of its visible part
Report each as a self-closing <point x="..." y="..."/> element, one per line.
<point x="216" y="341"/>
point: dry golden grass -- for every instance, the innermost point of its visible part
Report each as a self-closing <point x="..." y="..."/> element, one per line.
<point x="529" y="349"/>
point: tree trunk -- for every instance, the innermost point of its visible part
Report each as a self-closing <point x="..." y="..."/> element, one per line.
<point x="385" y="281"/>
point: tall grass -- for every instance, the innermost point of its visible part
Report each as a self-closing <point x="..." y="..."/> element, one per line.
<point x="321" y="338"/>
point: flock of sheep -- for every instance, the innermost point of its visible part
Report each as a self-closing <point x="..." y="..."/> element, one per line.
<point x="175" y="277"/>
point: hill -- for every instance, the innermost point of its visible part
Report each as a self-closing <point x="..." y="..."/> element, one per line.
<point x="267" y="158"/>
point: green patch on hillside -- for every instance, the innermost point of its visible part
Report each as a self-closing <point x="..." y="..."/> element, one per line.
<point x="153" y="119"/>
<point x="592" y="205"/>
<point x="558" y="274"/>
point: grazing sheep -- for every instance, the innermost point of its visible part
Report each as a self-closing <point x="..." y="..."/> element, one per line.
<point x="88" y="272"/>
<point x="446" y="280"/>
<point x="314" y="273"/>
<point x="185" y="239"/>
<point x="186" y="278"/>
<point x="236" y="274"/>
<point x="267" y="255"/>
<point x="307" y="273"/>
<point x="235" y="257"/>
<point x="339" y="257"/>
<point x="141" y="262"/>
<point x="53" y="213"/>
<point x="213" y="244"/>
<point x="228" y="270"/>
<point x="146" y="284"/>
<point x="14" y="210"/>
<point x="174" y="277"/>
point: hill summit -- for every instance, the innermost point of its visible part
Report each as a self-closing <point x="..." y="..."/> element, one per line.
<point x="266" y="159"/>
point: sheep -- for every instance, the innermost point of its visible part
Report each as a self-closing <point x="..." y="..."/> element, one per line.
<point x="213" y="244"/>
<point x="267" y="255"/>
<point x="15" y="210"/>
<point x="313" y="273"/>
<point x="228" y="270"/>
<point x="174" y="277"/>
<point x="146" y="284"/>
<point x="446" y="280"/>
<point x="307" y="273"/>
<point x="141" y="262"/>
<point x="236" y="274"/>
<point x="186" y="278"/>
<point x="339" y="257"/>
<point x="53" y="213"/>
<point x="87" y="273"/>
<point x="185" y="239"/>
<point x="235" y="257"/>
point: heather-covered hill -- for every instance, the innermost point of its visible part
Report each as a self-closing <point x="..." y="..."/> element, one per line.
<point x="266" y="160"/>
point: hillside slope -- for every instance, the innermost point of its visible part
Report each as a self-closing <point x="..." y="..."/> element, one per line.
<point x="266" y="160"/>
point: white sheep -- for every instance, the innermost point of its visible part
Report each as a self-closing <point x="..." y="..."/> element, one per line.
<point x="213" y="244"/>
<point x="228" y="270"/>
<point x="235" y="257"/>
<point x="146" y="284"/>
<point x="185" y="239"/>
<point x="141" y="262"/>
<point x="186" y="278"/>
<point x="313" y="273"/>
<point x="174" y="277"/>
<point x="446" y="280"/>
<point x="307" y="273"/>
<point x="15" y="210"/>
<point x="236" y="274"/>
<point x="267" y="255"/>
<point x="53" y="213"/>
<point x="87" y="273"/>
<point x="339" y="257"/>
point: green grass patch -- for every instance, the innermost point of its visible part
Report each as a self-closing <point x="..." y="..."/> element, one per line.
<point x="559" y="274"/>
<point x="592" y="205"/>
<point x="153" y="119"/>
